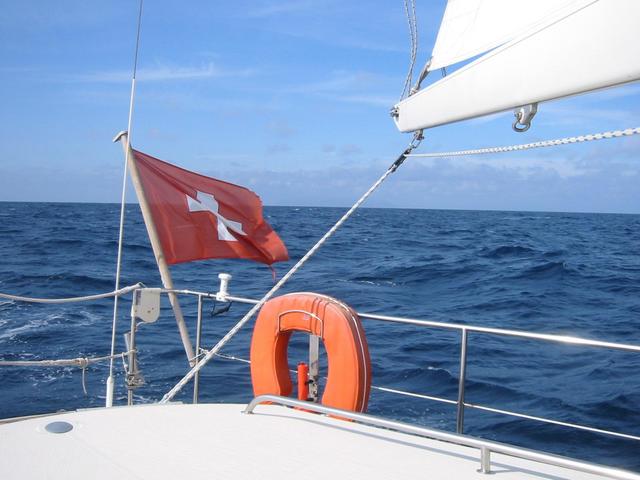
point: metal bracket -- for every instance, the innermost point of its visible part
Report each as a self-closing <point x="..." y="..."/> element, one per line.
<point x="421" y="77"/>
<point x="314" y="352"/>
<point x="146" y="304"/>
<point x="134" y="377"/>
<point x="314" y="367"/>
<point x="317" y="318"/>
<point x="524" y="115"/>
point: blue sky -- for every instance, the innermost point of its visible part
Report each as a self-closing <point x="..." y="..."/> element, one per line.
<point x="290" y="98"/>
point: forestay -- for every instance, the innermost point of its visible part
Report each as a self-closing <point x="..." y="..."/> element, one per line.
<point x="552" y="50"/>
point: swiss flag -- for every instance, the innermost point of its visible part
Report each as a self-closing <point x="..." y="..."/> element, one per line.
<point x="198" y="217"/>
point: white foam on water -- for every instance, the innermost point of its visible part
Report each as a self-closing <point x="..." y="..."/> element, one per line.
<point x="50" y="375"/>
<point x="88" y="318"/>
<point x="53" y="320"/>
<point x="12" y="333"/>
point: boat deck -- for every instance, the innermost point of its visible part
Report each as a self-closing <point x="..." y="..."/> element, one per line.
<point x="219" y="441"/>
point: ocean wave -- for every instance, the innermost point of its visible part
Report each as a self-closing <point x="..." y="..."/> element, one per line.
<point x="507" y="251"/>
<point x="554" y="253"/>
<point x="420" y="380"/>
<point x="67" y="242"/>
<point x="488" y="268"/>
<point x="545" y="270"/>
<point x="420" y="273"/>
<point x="30" y="326"/>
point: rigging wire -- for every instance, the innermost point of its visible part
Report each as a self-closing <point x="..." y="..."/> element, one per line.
<point x="109" y="400"/>
<point x="529" y="146"/>
<point x="415" y="142"/>
<point x="410" y="11"/>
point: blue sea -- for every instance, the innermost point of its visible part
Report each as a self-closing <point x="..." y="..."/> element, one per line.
<point x="565" y="273"/>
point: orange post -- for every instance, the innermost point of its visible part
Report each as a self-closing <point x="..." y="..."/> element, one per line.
<point x="303" y="379"/>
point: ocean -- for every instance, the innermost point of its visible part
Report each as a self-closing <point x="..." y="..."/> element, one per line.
<point x="564" y="273"/>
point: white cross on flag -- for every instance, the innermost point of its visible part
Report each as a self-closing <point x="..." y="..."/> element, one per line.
<point x="207" y="203"/>
<point x="198" y="217"/>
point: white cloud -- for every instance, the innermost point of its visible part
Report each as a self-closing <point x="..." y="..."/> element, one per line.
<point x="339" y="81"/>
<point x="364" y="99"/>
<point x="159" y="73"/>
<point x="351" y="87"/>
<point x="619" y="92"/>
<point x="542" y="186"/>
<point x="280" y="8"/>
<point x="281" y="128"/>
<point x="580" y="115"/>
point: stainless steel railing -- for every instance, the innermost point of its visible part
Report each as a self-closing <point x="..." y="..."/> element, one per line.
<point x="134" y="380"/>
<point x="464" y="329"/>
<point x="486" y="447"/>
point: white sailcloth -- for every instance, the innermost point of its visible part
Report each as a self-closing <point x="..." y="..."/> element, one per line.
<point x="472" y="27"/>
<point x="582" y="46"/>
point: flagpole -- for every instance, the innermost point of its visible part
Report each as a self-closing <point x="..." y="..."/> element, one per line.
<point x="165" y="274"/>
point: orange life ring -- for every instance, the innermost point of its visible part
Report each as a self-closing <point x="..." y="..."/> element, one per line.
<point x="349" y="376"/>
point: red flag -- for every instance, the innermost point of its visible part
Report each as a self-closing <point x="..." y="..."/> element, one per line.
<point x="198" y="217"/>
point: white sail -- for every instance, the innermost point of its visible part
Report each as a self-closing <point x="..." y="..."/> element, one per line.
<point x="472" y="27"/>
<point x="592" y="48"/>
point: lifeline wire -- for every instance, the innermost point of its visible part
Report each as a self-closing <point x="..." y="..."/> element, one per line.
<point x="86" y="298"/>
<point x="478" y="407"/>
<point x="417" y="138"/>
<point x="82" y="362"/>
<point x="529" y="146"/>
<point x="124" y="191"/>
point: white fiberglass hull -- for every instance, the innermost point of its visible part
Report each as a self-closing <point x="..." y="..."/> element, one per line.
<point x="218" y="441"/>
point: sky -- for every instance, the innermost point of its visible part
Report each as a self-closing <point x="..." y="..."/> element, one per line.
<point x="287" y="97"/>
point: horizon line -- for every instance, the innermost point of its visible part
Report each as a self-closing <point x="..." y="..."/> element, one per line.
<point x="363" y="207"/>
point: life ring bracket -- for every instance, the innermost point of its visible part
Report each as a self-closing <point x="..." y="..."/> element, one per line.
<point x="304" y="312"/>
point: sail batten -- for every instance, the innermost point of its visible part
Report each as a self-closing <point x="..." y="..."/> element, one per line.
<point x="593" y="48"/>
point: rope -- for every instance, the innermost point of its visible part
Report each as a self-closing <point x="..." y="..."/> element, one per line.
<point x="413" y="35"/>
<point x="529" y="146"/>
<point x="115" y="293"/>
<point x="417" y="138"/>
<point x="122" y="199"/>
<point x="81" y="362"/>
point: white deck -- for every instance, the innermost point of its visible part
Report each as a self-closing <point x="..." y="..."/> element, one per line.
<point x="218" y="441"/>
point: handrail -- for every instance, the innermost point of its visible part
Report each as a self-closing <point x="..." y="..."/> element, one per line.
<point x="500" y="411"/>
<point x="550" y="337"/>
<point x="485" y="446"/>
<point x="464" y="330"/>
<point x="462" y="326"/>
